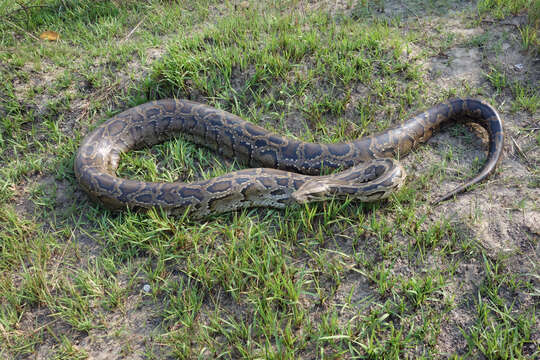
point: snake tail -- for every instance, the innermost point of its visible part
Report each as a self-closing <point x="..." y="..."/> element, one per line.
<point x="400" y="140"/>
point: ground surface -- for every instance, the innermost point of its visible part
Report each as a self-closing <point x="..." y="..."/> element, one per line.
<point x="394" y="279"/>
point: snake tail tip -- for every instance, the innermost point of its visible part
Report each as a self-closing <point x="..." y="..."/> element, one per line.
<point x="445" y="197"/>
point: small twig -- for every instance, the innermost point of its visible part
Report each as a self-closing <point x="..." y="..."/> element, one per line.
<point x="520" y="152"/>
<point x="20" y="28"/>
<point x="411" y="10"/>
<point x="25" y="11"/>
<point x="44" y="326"/>
<point x="133" y="30"/>
<point x="489" y="21"/>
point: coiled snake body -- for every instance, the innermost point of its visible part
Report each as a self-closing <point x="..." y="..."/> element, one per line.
<point x="283" y="166"/>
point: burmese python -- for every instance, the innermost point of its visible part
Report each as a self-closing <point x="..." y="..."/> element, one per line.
<point x="277" y="181"/>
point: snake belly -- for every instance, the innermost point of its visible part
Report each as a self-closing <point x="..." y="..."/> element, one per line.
<point x="284" y="170"/>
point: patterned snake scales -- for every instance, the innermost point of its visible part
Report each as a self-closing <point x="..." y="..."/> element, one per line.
<point x="282" y="165"/>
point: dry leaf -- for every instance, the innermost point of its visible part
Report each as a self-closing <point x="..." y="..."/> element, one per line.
<point x="49" y="35"/>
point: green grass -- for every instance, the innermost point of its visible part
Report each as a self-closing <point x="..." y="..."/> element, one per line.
<point x="501" y="9"/>
<point x="393" y="279"/>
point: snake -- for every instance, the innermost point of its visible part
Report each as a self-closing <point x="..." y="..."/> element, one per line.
<point x="282" y="171"/>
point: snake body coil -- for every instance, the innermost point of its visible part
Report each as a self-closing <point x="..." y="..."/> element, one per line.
<point x="283" y="165"/>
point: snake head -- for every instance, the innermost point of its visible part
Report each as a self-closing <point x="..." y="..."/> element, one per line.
<point x="314" y="190"/>
<point x="367" y="182"/>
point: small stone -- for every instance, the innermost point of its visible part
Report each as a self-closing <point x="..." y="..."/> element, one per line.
<point x="532" y="222"/>
<point x="519" y="67"/>
<point x="146" y="288"/>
